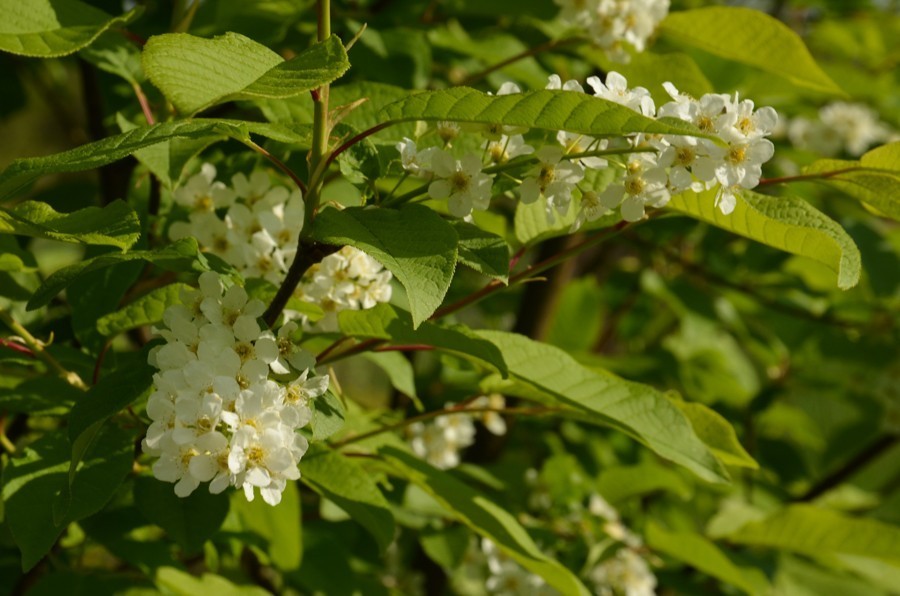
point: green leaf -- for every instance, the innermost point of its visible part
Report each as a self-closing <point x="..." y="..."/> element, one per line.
<point x="279" y="526"/>
<point x="400" y="372"/>
<point x="817" y="532"/>
<point x="785" y="223"/>
<point x="195" y="73"/>
<point x="189" y="521"/>
<point x="388" y="323"/>
<point x="146" y="310"/>
<point x="544" y="109"/>
<point x="114" y="225"/>
<point x="168" y="160"/>
<point x="751" y="37"/>
<point x="113" y="393"/>
<point x="718" y="434"/>
<point x="483" y="516"/>
<point x="702" y="554"/>
<point x="328" y="416"/>
<point x="482" y="251"/>
<point x="183" y="255"/>
<point x="41" y="396"/>
<point x="115" y="54"/>
<point x="874" y="180"/>
<point x="619" y="483"/>
<point x="414" y="243"/>
<point x="638" y="410"/>
<point x="53" y="28"/>
<point x="30" y="483"/>
<point x="174" y="581"/>
<point x="22" y="172"/>
<point x="343" y="481"/>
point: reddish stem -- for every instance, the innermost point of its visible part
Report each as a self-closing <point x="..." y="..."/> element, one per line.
<point x="15" y="347"/>
<point x="354" y="140"/>
<point x="405" y="348"/>
<point x="145" y="104"/>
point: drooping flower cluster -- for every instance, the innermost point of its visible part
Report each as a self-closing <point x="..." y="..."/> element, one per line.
<point x="346" y="280"/>
<point x="840" y="128"/>
<point x="439" y="442"/>
<point x="253" y="225"/>
<point x="660" y="166"/>
<point x="504" y="576"/>
<point x="613" y="25"/>
<point x="216" y="415"/>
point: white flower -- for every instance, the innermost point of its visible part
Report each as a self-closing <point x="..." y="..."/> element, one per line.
<point x="346" y="280"/>
<point x="215" y="415"/>
<point x="506" y="148"/>
<point x="616" y="89"/>
<point x="439" y="441"/>
<point x="614" y="24"/>
<point x="578" y="143"/>
<point x="413" y="160"/>
<point x="591" y="209"/>
<point x="644" y="185"/>
<point x="555" y="82"/>
<point x="626" y="573"/>
<point x="202" y="193"/>
<point x="258" y="191"/>
<point x="461" y="182"/>
<point x="493" y="421"/>
<point x="552" y="179"/>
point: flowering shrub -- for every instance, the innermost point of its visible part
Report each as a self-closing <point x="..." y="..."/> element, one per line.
<point x="522" y="297"/>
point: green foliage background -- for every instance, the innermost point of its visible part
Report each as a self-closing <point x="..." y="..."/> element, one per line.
<point x="731" y="384"/>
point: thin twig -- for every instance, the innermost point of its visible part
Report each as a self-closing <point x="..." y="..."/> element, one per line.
<point x="531" y="271"/>
<point x="278" y="163"/>
<point x="308" y="254"/>
<point x="804" y="177"/>
<point x="145" y="104"/>
<point x="544" y="47"/>
<point x="38" y="348"/>
<point x="461" y="408"/>
<point x="16" y="347"/>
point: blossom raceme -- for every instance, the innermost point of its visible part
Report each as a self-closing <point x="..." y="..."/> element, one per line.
<point x="254" y="225"/>
<point x="216" y="415"/>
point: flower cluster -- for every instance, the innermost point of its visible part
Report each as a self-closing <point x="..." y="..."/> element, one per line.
<point x="613" y="25"/>
<point x="346" y="280"/>
<point x="253" y="225"/>
<point x="216" y="415"/>
<point x="440" y="441"/>
<point x="729" y="158"/>
<point x="840" y="128"/>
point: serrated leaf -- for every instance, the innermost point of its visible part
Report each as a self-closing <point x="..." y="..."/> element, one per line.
<point x="414" y="243"/>
<point x="818" y="532"/>
<point x="874" y="179"/>
<point x="544" y="109"/>
<point x="183" y="255"/>
<point x="388" y="323"/>
<point x="114" y="225"/>
<point x="786" y="223"/>
<point x="482" y="251"/>
<point x="718" y="434"/>
<point x="484" y="517"/>
<point x="169" y="159"/>
<point x="30" y="483"/>
<point x="146" y="310"/>
<point x="22" y="172"/>
<point x="195" y="73"/>
<point x="350" y="487"/>
<point x="751" y="37"/>
<point x="279" y="526"/>
<point x="705" y="556"/>
<point x="637" y="410"/>
<point x="50" y="28"/>
<point x="115" y="54"/>
<point x="189" y="521"/>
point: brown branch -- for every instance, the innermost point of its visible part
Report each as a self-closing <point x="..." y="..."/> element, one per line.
<point x="849" y="469"/>
<point x="544" y="47"/>
<point x="309" y="253"/>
